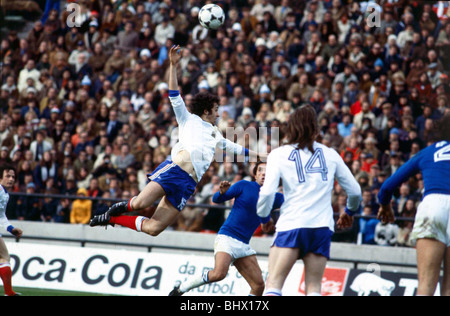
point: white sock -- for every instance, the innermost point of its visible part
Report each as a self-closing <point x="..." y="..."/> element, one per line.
<point x="314" y="294"/>
<point x="194" y="282"/>
<point x="273" y="292"/>
<point x="139" y="221"/>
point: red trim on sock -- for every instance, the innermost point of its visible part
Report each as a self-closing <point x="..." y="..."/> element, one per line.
<point x="124" y="220"/>
<point x="6" y="275"/>
<point x="129" y="205"/>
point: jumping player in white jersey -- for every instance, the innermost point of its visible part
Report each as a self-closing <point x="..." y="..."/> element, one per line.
<point x="7" y="179"/>
<point x="432" y="223"/>
<point x="174" y="182"/>
<point x="305" y="226"/>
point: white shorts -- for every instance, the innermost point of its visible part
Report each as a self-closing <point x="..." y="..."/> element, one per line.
<point x="235" y="248"/>
<point x="433" y="219"/>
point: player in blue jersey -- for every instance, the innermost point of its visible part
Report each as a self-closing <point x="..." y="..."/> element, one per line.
<point x="232" y="241"/>
<point x="432" y="223"/>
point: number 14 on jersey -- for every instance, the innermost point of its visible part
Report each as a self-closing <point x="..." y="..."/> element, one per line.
<point x="315" y="164"/>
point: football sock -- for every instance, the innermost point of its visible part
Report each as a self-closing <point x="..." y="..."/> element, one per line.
<point x="6" y="275"/>
<point x="132" y="222"/>
<point x="272" y="292"/>
<point x="194" y="282"/>
<point x="130" y="204"/>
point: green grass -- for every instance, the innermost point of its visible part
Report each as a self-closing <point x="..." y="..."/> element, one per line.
<point x="25" y="291"/>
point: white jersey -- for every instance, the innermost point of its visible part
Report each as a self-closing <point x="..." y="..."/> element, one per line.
<point x="308" y="180"/>
<point x="199" y="138"/>
<point x="4" y="199"/>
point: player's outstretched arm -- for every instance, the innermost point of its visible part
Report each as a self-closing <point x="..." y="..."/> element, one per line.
<point x="227" y="192"/>
<point x="250" y="155"/>
<point x="179" y="107"/>
<point x="174" y="58"/>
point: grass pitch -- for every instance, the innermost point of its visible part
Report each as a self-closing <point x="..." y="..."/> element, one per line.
<point x="25" y="291"/>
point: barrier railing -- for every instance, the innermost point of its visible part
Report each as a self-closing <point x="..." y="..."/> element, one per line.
<point x="115" y="200"/>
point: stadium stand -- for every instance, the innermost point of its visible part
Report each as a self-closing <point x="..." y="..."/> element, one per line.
<point x="85" y="109"/>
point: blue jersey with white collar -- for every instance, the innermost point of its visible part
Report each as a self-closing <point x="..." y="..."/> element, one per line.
<point x="243" y="220"/>
<point x="433" y="162"/>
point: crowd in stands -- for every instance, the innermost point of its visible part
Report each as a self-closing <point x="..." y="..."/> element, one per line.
<point x="84" y="109"/>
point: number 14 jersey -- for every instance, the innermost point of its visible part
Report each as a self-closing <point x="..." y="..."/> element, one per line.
<point x="308" y="180"/>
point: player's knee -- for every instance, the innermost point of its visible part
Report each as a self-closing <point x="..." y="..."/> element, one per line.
<point x="258" y="288"/>
<point x="150" y="229"/>
<point x="153" y="232"/>
<point x="217" y="275"/>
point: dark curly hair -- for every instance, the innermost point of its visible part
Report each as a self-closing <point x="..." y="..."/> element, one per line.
<point x="203" y="101"/>
<point x="6" y="167"/>
<point x="255" y="169"/>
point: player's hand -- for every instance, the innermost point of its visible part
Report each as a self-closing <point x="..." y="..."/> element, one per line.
<point x="175" y="54"/>
<point x="345" y="221"/>
<point x="386" y="214"/>
<point x="17" y="232"/>
<point x="263" y="156"/>
<point x="224" y="186"/>
<point x="268" y="227"/>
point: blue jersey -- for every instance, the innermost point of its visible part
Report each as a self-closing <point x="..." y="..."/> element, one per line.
<point x="243" y="220"/>
<point x="433" y="162"/>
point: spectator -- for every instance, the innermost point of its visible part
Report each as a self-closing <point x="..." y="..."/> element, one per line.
<point x="63" y="211"/>
<point x="127" y="39"/>
<point x="39" y="146"/>
<point x="28" y="208"/>
<point x="125" y="159"/>
<point x="367" y="227"/>
<point x="345" y="126"/>
<point x="81" y="209"/>
<point x="386" y="234"/>
<point x="164" y="31"/>
<point x="191" y="219"/>
<point x="405" y="227"/>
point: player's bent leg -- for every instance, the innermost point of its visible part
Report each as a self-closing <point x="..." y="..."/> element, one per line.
<point x="445" y="288"/>
<point x="430" y="254"/>
<point x="152" y="192"/>
<point x="164" y="216"/>
<point x="221" y="266"/>
<point x="4" y="254"/>
<point x="5" y="270"/>
<point x="249" y="268"/>
<point x="314" y="269"/>
<point x="281" y="261"/>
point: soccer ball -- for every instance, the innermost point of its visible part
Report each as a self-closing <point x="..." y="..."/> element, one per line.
<point x="211" y="16"/>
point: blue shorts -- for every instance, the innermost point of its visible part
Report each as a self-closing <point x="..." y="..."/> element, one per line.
<point x="176" y="182"/>
<point x="314" y="240"/>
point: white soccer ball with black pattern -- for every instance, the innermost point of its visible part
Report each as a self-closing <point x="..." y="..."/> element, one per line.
<point x="211" y="16"/>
